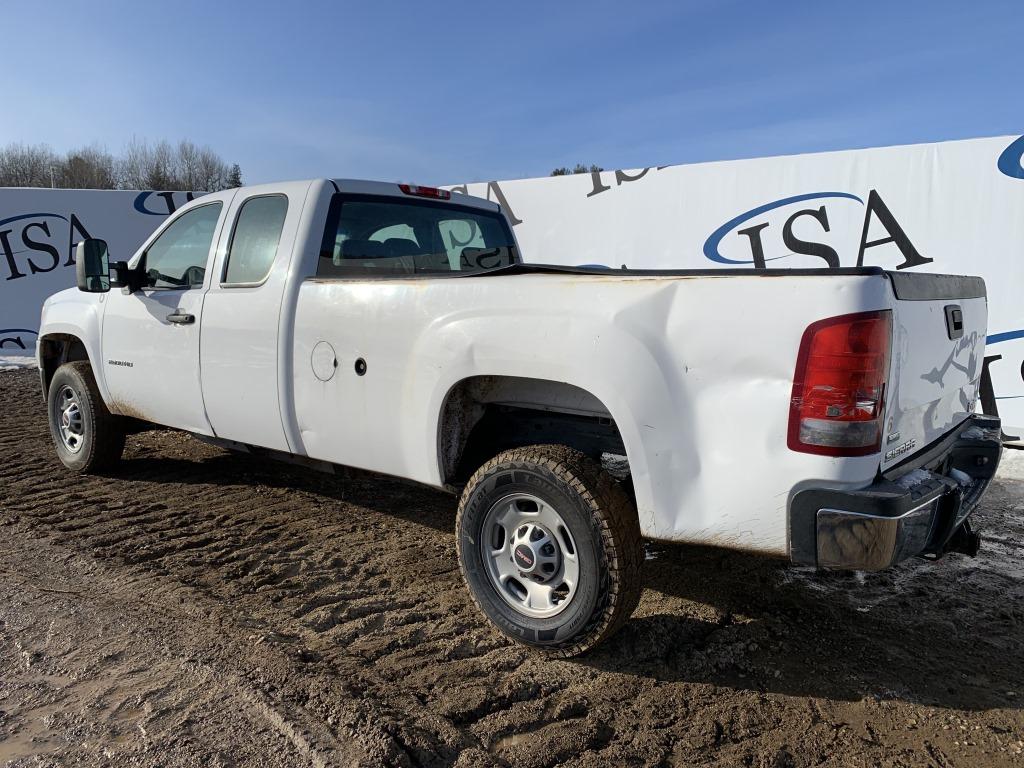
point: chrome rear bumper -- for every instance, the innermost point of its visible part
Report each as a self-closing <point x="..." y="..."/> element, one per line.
<point x="910" y="510"/>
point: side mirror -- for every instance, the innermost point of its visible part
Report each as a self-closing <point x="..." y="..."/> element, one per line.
<point x="122" y="277"/>
<point x="92" y="266"/>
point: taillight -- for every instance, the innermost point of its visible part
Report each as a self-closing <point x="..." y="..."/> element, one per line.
<point x="434" y="192"/>
<point x="839" y="385"/>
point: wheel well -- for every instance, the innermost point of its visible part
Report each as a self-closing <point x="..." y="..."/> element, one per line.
<point x="55" y="349"/>
<point x="485" y="415"/>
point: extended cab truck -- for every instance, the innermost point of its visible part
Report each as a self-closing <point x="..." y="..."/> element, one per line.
<point x="827" y="417"/>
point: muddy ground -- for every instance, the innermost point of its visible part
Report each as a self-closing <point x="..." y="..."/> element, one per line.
<point x="199" y="608"/>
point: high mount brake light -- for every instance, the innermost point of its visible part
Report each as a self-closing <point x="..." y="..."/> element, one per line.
<point x="434" y="192"/>
<point x="839" y="385"/>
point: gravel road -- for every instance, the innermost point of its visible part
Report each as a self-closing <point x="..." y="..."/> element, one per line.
<point x="203" y="609"/>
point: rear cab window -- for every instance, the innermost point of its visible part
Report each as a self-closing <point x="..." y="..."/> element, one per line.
<point x="254" y="240"/>
<point x="382" y="236"/>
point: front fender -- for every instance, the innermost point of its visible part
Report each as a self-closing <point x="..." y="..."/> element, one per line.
<point x="77" y="314"/>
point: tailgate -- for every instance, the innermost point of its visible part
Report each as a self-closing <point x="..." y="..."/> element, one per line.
<point x="939" y="326"/>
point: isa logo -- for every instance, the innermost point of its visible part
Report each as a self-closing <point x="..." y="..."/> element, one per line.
<point x="36" y="243"/>
<point x="160" y="203"/>
<point x="16" y="338"/>
<point x="820" y="229"/>
<point x="1010" y="161"/>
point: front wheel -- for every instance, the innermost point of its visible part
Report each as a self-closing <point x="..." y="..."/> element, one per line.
<point x="550" y="548"/>
<point x="87" y="436"/>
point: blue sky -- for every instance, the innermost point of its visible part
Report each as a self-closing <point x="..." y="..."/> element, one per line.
<point x="441" y="92"/>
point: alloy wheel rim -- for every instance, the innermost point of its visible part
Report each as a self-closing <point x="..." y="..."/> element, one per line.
<point x="69" y="419"/>
<point x="531" y="558"/>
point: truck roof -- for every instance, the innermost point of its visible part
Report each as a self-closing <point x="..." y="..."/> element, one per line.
<point x="358" y="187"/>
<point x="363" y="187"/>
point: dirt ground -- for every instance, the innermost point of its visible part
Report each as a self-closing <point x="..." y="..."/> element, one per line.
<point x="203" y="609"/>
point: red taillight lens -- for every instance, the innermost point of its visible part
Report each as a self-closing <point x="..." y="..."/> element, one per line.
<point x="839" y="385"/>
<point x="434" y="192"/>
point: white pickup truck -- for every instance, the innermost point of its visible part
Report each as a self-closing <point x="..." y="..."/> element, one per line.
<point x="827" y="417"/>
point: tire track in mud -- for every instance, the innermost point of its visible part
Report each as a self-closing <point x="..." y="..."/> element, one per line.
<point x="329" y="613"/>
<point x="251" y="548"/>
<point x="194" y="673"/>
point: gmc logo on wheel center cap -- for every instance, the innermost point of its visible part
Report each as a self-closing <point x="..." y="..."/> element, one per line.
<point x="524" y="556"/>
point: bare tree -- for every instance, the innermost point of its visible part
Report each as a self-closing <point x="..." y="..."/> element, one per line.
<point x="159" y="167"/>
<point x="213" y="172"/>
<point x="23" y="165"/>
<point x="88" y="168"/>
<point x="131" y="172"/>
<point x="189" y="165"/>
<point x="580" y="168"/>
<point x="185" y="166"/>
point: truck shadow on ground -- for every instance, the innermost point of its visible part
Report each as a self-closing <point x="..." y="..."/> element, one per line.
<point x="909" y="634"/>
<point x="740" y="620"/>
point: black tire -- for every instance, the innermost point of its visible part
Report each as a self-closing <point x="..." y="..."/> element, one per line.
<point x="101" y="439"/>
<point x="603" y="524"/>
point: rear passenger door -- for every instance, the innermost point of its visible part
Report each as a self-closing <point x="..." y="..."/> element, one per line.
<point x="240" y="350"/>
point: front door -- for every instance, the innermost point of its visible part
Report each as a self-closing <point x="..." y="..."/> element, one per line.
<point x="151" y="337"/>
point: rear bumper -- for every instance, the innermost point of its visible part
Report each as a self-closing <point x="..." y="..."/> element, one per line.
<point x="912" y="509"/>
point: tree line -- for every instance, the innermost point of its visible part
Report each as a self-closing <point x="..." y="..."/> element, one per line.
<point x="580" y="168"/>
<point x="163" y="166"/>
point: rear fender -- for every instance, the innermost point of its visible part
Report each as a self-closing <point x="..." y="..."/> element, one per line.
<point x="636" y="381"/>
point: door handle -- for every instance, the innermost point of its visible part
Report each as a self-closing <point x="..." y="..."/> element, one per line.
<point x="180" y="318"/>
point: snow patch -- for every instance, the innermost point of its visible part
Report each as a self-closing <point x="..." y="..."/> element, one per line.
<point x="17" y="362"/>
<point x="1011" y="464"/>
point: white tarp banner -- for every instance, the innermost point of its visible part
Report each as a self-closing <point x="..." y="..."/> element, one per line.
<point x="39" y="229"/>
<point x="954" y="207"/>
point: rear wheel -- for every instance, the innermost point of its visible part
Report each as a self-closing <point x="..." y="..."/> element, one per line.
<point x="88" y="438"/>
<point x="550" y="548"/>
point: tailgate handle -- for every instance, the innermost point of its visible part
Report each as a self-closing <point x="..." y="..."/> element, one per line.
<point x="954" y="321"/>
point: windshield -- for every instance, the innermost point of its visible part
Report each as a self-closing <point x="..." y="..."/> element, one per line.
<point x="383" y="235"/>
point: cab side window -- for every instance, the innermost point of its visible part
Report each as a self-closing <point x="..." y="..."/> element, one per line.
<point x="254" y="242"/>
<point x="178" y="257"/>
